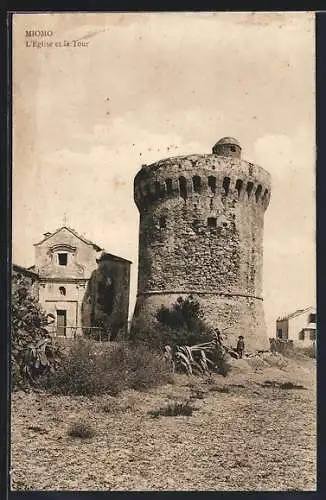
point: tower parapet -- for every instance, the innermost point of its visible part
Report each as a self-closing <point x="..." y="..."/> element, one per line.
<point x="201" y="233"/>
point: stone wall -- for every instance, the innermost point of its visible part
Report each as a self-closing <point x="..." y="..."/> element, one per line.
<point x="201" y="232"/>
<point x="107" y="295"/>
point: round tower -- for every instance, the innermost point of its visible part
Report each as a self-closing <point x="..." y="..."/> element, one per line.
<point x="201" y="233"/>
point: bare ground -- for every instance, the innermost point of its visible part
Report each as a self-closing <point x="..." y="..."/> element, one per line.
<point x="250" y="438"/>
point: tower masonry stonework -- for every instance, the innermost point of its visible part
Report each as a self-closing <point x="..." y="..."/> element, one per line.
<point x="201" y="233"/>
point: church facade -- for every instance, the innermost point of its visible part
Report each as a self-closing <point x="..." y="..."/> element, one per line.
<point x="68" y="268"/>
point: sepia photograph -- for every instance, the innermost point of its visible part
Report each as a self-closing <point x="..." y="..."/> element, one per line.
<point x="163" y="306"/>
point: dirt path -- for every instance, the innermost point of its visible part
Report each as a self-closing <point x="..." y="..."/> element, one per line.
<point x="250" y="438"/>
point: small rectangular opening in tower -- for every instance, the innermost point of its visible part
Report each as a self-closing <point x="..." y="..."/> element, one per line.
<point x="258" y="193"/>
<point x="196" y="180"/>
<point x="238" y="186"/>
<point x="62" y="259"/>
<point x="250" y="187"/>
<point x="183" y="187"/>
<point x="212" y="184"/>
<point x="226" y="185"/>
<point x="211" y="222"/>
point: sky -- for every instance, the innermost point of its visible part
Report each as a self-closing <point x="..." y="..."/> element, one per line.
<point x="86" y="118"/>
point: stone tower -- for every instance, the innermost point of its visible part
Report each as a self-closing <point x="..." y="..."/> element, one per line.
<point x="201" y="233"/>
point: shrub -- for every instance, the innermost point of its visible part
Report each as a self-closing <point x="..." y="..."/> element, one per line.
<point x="184" y="323"/>
<point x="173" y="410"/>
<point x="82" y="430"/>
<point x="84" y="371"/>
<point x="33" y="351"/>
<point x="91" y="368"/>
<point x="179" y="326"/>
<point x="146" y="367"/>
<point x="185" y="312"/>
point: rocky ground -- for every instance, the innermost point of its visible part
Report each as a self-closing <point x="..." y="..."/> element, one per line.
<point x="253" y="436"/>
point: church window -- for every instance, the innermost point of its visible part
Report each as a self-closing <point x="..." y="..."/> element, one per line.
<point x="63" y="259"/>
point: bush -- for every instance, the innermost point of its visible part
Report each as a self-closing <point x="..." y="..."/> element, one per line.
<point x="91" y="369"/>
<point x="33" y="351"/>
<point x="84" y="371"/>
<point x="182" y="324"/>
<point x="146" y="367"/>
<point x="82" y="430"/>
<point x="173" y="410"/>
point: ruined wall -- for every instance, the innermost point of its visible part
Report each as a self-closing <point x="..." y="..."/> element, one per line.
<point x="107" y="295"/>
<point x="201" y="232"/>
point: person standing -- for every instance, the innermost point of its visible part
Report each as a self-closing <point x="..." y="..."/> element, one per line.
<point x="240" y="346"/>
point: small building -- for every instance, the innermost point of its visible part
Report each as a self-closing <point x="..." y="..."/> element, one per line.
<point x="298" y="327"/>
<point x="65" y="263"/>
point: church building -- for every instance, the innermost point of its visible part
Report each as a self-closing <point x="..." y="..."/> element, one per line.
<point x="80" y="285"/>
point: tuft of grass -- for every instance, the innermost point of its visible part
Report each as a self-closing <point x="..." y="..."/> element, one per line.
<point x="173" y="410"/>
<point x="216" y="388"/>
<point x="280" y="385"/>
<point x="290" y="385"/>
<point x="37" y="428"/>
<point x="81" y="430"/>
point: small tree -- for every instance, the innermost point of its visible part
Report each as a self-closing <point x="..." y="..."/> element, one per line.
<point x="33" y="351"/>
<point x="184" y="323"/>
